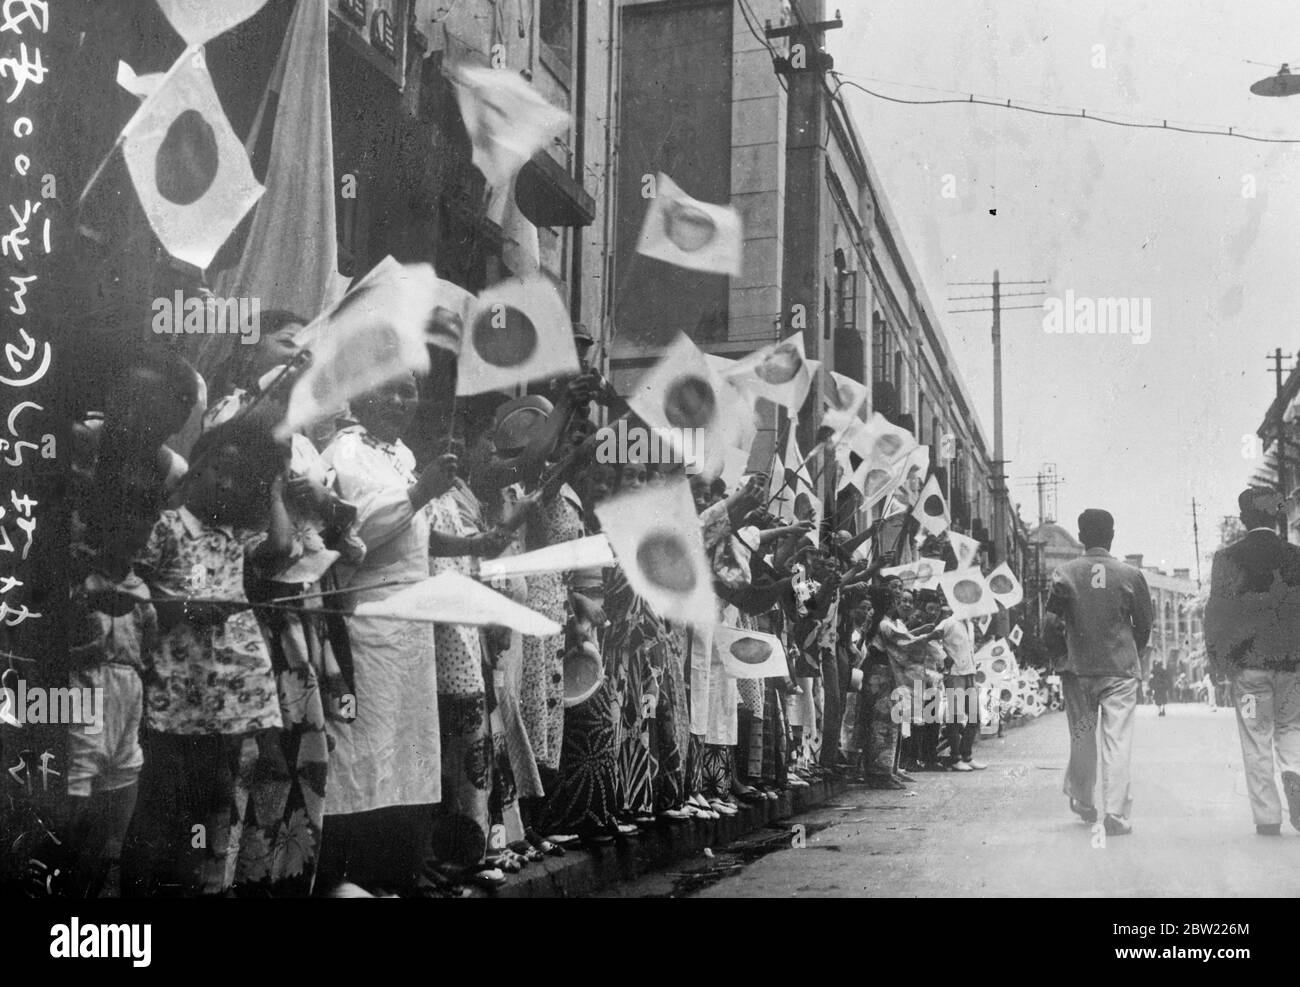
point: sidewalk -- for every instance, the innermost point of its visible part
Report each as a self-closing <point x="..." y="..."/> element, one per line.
<point x="582" y="871"/>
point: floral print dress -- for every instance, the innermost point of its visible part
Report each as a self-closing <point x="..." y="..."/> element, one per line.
<point x="541" y="693"/>
<point x="460" y="831"/>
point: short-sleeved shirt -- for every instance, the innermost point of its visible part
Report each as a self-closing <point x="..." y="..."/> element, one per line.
<point x="958" y="645"/>
<point x="214" y="680"/>
<point x="114" y="639"/>
<point x="1106" y="606"/>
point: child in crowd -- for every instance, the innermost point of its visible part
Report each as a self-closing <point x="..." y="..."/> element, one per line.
<point x="114" y="628"/>
<point x="212" y="714"/>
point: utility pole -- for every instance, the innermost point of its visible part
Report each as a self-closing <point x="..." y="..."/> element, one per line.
<point x="1000" y="506"/>
<point x="999" y="463"/>
<point x="1283" y="524"/>
<point x="1196" y="539"/>
<point x="803" y="262"/>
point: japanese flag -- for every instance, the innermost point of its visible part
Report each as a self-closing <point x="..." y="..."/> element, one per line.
<point x="996" y="660"/>
<point x="964" y="547"/>
<point x="922" y="574"/>
<point x="688" y="233"/>
<point x="968" y="594"/>
<point x="884" y="449"/>
<point x="656" y="538"/>
<point x="450" y="598"/>
<point x="914" y="472"/>
<point x="1005" y="586"/>
<point x="508" y="121"/>
<point x="796" y="495"/>
<point x="778" y="372"/>
<point x="375" y="333"/>
<point x="885" y="443"/>
<point x="747" y="654"/>
<point x="1016" y="635"/>
<point x="842" y="400"/>
<point x="199" y="21"/>
<point x="931" y="507"/>
<point x="701" y="413"/>
<point x="518" y="332"/>
<point x="894" y="507"/>
<point x="189" y="169"/>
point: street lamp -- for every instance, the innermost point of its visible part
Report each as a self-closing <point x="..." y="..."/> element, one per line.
<point x="1282" y="84"/>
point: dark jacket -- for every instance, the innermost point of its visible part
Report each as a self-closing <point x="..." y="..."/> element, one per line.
<point x="1253" y="614"/>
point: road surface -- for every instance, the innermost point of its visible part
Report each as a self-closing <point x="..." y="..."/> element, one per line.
<point x="1007" y="831"/>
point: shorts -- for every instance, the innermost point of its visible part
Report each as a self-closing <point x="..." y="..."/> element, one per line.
<point x="109" y="758"/>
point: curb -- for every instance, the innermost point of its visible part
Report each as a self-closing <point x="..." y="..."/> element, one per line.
<point x="582" y="871"/>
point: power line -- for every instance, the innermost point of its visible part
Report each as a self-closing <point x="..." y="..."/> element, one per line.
<point x="1004" y="308"/>
<point x="969" y="283"/>
<point x="746" y="12"/>
<point x="1005" y="294"/>
<point x="1082" y="114"/>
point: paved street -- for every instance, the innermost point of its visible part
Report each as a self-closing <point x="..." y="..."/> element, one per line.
<point x="1007" y="830"/>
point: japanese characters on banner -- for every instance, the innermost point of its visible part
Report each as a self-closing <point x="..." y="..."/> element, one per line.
<point x="32" y="750"/>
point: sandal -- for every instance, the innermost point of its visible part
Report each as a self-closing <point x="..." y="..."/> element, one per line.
<point x="507" y="860"/>
<point x="526" y="850"/>
<point x="542" y="843"/>
<point x="484" y="876"/>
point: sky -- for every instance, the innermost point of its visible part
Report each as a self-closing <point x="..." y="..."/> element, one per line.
<point x="1104" y="212"/>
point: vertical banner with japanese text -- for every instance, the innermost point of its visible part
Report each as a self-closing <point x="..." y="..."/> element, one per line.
<point x="33" y="502"/>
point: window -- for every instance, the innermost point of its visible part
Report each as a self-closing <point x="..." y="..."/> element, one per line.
<point x="555" y="27"/>
<point x="882" y="348"/>
<point x="846" y="300"/>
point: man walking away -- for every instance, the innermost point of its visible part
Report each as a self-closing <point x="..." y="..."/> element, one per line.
<point x="1253" y="643"/>
<point x="1105" y="607"/>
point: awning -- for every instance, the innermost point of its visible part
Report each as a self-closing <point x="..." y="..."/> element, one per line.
<point x="548" y="196"/>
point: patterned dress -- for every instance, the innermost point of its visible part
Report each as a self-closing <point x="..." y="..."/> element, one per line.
<point x="460" y="831"/>
<point x="307" y="649"/>
<point x="644" y="663"/>
<point x="213" y="721"/>
<point x="541" y="692"/>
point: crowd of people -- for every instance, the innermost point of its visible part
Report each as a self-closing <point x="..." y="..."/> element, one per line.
<point x="1165" y="685"/>
<point x="268" y="735"/>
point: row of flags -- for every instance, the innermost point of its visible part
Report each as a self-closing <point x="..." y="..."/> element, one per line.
<point x="195" y="182"/>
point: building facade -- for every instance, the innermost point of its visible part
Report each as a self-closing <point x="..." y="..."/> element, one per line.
<point x="732" y="115"/>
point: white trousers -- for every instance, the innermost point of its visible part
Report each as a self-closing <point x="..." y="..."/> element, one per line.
<point x="1268" y="720"/>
